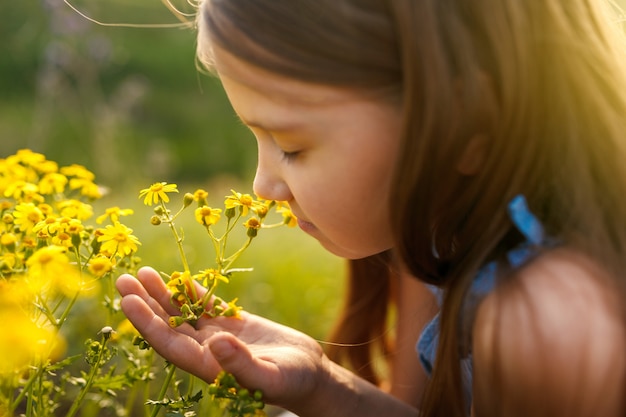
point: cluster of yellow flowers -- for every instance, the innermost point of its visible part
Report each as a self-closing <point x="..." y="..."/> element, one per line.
<point x="236" y="206"/>
<point x="49" y="256"/>
<point x="235" y="400"/>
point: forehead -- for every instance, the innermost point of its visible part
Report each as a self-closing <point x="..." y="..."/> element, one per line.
<point x="255" y="91"/>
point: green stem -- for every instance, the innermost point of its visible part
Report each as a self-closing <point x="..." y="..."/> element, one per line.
<point x="42" y="306"/>
<point x="179" y="244"/>
<point x="171" y="369"/>
<point x="217" y="244"/>
<point x="207" y="296"/>
<point x="192" y="379"/>
<point x="94" y="370"/>
<point x="232" y="258"/>
<point x="179" y="240"/>
<point x="66" y="313"/>
<point x="26" y="389"/>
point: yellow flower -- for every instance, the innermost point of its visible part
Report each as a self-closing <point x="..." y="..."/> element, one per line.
<point x="100" y="266"/>
<point x="22" y="342"/>
<point x="117" y="238"/>
<point x="201" y="196"/>
<point x="47" y="227"/>
<point x="114" y="214"/>
<point x="207" y="216"/>
<point x="52" y="183"/>
<point x="8" y="239"/>
<point x="8" y="262"/>
<point x="82" y="178"/>
<point x="75" y="209"/>
<point x="262" y="208"/>
<point x="8" y="219"/>
<point x="46" y="167"/>
<point x="157" y="192"/>
<point x="77" y="171"/>
<point x="49" y="268"/>
<point x="27" y="157"/>
<point x="23" y="191"/>
<point x="73" y="226"/>
<point x="27" y="216"/>
<point x="62" y="239"/>
<point x="180" y="285"/>
<point x="288" y="217"/>
<point x="253" y="225"/>
<point x="208" y="276"/>
<point x="245" y="201"/>
<point x="232" y="310"/>
<point x="29" y="242"/>
<point x="46" y="209"/>
<point x="89" y="189"/>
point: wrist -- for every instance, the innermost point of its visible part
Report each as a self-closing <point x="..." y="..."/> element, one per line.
<point x="338" y="392"/>
<point x="333" y="393"/>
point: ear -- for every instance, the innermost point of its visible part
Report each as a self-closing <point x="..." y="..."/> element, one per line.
<point x="473" y="157"/>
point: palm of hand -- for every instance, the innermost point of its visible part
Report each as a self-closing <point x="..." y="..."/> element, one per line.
<point x="283" y="363"/>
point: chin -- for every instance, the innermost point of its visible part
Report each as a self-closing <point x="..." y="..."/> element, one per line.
<point x="351" y="254"/>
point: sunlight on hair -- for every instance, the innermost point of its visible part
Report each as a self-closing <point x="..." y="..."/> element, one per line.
<point x="618" y="10"/>
<point x="186" y="19"/>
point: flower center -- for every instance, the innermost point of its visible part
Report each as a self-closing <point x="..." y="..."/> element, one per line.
<point x="120" y="237"/>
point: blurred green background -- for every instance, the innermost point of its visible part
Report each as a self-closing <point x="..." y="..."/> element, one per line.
<point x="130" y="105"/>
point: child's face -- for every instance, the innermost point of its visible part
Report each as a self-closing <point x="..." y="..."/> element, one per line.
<point x="328" y="151"/>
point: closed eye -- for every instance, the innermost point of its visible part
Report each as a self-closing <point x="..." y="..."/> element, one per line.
<point x="289" y="156"/>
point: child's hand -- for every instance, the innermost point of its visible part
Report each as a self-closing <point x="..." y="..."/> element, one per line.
<point x="285" y="364"/>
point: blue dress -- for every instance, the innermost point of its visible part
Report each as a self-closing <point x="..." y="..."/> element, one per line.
<point x="485" y="281"/>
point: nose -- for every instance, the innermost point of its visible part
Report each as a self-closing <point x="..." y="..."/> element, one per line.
<point x="269" y="183"/>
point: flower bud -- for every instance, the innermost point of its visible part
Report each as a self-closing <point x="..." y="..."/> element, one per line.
<point x="175" y="321"/>
<point x="106" y="332"/>
<point x="187" y="199"/>
<point x="253" y="225"/>
<point x="141" y="343"/>
<point x="230" y="212"/>
<point x="159" y="211"/>
<point x="155" y="220"/>
<point x="76" y="240"/>
<point x="95" y="245"/>
<point x="9" y="241"/>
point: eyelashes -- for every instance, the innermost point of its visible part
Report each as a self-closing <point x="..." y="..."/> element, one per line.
<point x="289" y="156"/>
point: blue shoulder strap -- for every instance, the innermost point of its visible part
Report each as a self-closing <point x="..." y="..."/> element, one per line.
<point x="529" y="226"/>
<point x="485" y="280"/>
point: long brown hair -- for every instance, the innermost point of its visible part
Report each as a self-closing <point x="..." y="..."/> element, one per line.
<point x="542" y="81"/>
<point x="361" y="337"/>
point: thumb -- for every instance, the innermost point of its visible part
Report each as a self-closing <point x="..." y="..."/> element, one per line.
<point x="234" y="356"/>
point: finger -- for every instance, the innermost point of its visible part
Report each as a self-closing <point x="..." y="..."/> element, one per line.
<point x="155" y="286"/>
<point x="129" y="285"/>
<point x="235" y="357"/>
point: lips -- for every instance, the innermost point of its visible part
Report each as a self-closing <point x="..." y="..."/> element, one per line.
<point x="306" y="226"/>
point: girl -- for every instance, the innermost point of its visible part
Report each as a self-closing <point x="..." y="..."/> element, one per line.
<point x="481" y="143"/>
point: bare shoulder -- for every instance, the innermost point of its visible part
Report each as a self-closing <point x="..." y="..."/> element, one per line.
<point x="552" y="342"/>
